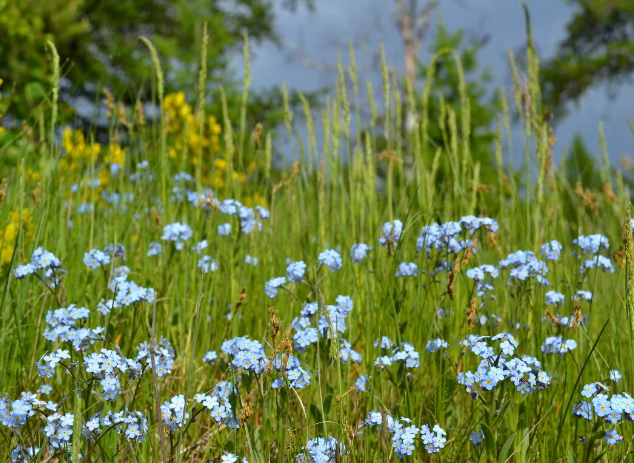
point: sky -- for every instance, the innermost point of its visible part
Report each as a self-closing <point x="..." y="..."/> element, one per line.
<point x="368" y="23"/>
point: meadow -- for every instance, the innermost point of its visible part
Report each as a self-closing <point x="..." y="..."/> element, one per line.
<point x="175" y="293"/>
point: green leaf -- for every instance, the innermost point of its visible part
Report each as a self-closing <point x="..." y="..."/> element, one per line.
<point x="599" y="456"/>
<point x="525" y="443"/>
<point x="505" y="448"/>
<point x="489" y="440"/>
<point x="328" y="403"/>
<point x="503" y="410"/>
<point x="34" y="92"/>
<point x="571" y="458"/>
<point x="451" y="387"/>
<point x="315" y="413"/>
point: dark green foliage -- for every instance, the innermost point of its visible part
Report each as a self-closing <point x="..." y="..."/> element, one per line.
<point x="581" y="166"/>
<point x="98" y="42"/>
<point x="482" y="107"/>
<point x="598" y="49"/>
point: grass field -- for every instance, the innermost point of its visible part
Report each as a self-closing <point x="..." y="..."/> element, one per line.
<point x="170" y="295"/>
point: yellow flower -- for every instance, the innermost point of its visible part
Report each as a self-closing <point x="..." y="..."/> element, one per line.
<point x="256" y="200"/>
<point x="26" y="216"/>
<point x="220" y="164"/>
<point x="194" y="140"/>
<point x="184" y="111"/>
<point x="67" y="143"/>
<point x="9" y="235"/>
<point x="260" y="200"/>
<point x="239" y="176"/>
<point x="5" y="255"/>
<point x="217" y="181"/>
<point x="117" y="155"/>
<point x="179" y="99"/>
<point x="103" y="175"/>
<point x="10" y="232"/>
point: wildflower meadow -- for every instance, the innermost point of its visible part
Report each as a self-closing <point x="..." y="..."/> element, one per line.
<point x="188" y="286"/>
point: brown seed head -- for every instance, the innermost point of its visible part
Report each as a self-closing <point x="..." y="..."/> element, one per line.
<point x="275" y="324"/>
<point x="471" y="312"/>
<point x="578" y="317"/>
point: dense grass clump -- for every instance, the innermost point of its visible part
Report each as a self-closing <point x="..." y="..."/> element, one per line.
<point x="168" y="295"/>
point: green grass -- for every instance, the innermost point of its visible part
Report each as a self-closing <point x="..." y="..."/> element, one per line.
<point x="323" y="204"/>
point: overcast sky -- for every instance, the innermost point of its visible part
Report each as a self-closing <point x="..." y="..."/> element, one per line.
<point x="334" y="22"/>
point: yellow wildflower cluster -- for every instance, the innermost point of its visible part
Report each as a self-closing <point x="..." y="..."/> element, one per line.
<point x="31" y="174"/>
<point x="218" y="175"/>
<point x="181" y="121"/>
<point x="187" y="140"/>
<point x="9" y="235"/>
<point x="115" y="155"/>
<point x="256" y="200"/>
<point x="79" y="154"/>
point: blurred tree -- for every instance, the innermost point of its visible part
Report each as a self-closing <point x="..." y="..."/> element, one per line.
<point x="413" y="19"/>
<point x="581" y="172"/>
<point x="446" y="83"/>
<point x="581" y="165"/>
<point x="99" y="45"/>
<point x="598" y="49"/>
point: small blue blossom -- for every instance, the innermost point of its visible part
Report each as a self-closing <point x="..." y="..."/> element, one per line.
<point x="23" y="270"/>
<point x="271" y="286"/>
<point x="295" y="271"/>
<point x="391" y="230"/>
<point x="555" y="298"/>
<point x="331" y="259"/>
<point x="173" y="413"/>
<point x="615" y="375"/>
<point x="407" y="269"/>
<point x="479" y="273"/>
<point x="612" y="437"/>
<point x="24" y="454"/>
<point x="591" y="244"/>
<point x="155" y="249"/>
<point x="551" y="250"/>
<point x="224" y="229"/>
<point x="582" y="295"/>
<point x="362" y="383"/>
<point x="250" y="260"/>
<point x="556" y="345"/>
<point x="435" y="344"/>
<point x="229" y="458"/>
<point x="45" y="389"/>
<point x="599" y="262"/>
<point x="473" y="223"/>
<point x="200" y="247"/>
<point x="177" y="233"/>
<point x="476" y="438"/>
<point x="207" y="264"/>
<point x="359" y="252"/>
<point x="210" y="357"/>
<point x="41" y="259"/>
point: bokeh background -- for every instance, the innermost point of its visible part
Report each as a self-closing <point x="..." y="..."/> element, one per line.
<point x="586" y="48"/>
<point x="500" y="23"/>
